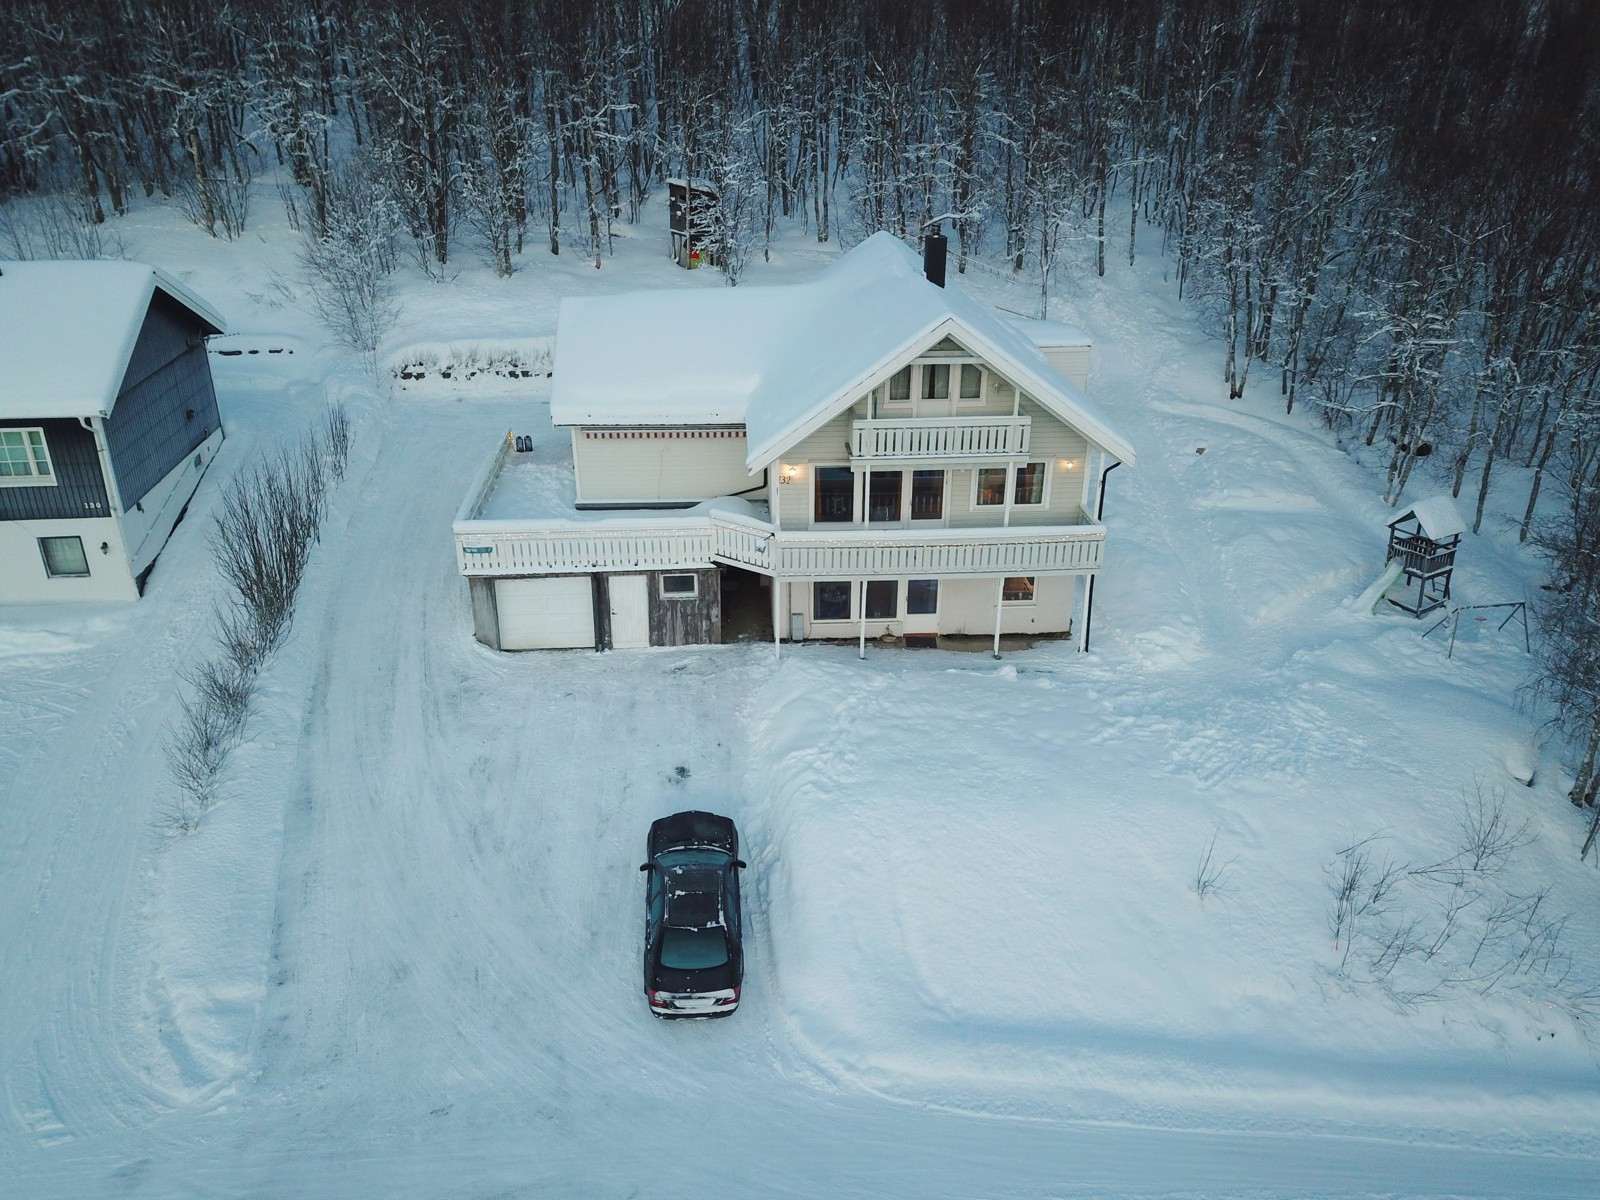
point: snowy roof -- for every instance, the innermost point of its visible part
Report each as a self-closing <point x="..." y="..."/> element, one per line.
<point x="67" y="330"/>
<point x="1438" y="517"/>
<point x="1048" y="335"/>
<point x="783" y="360"/>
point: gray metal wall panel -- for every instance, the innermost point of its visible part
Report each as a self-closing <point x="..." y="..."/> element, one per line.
<point x="167" y="411"/>
<point x="80" y="489"/>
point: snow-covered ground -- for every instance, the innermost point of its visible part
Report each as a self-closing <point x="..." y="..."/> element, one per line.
<point x="402" y="956"/>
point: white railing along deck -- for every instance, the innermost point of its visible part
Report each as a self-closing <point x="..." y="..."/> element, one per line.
<point x="940" y="437"/>
<point x="673" y="543"/>
<point x="1037" y="549"/>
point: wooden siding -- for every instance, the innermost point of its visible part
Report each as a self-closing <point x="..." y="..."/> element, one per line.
<point x="80" y="488"/>
<point x="681" y="621"/>
<point x="660" y="465"/>
<point x="1051" y="442"/>
<point x="1071" y="361"/>
<point x="168" y="405"/>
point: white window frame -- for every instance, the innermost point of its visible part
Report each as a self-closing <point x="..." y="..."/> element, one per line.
<point x="982" y="398"/>
<point x="1011" y="487"/>
<point x="33" y="479"/>
<point x="82" y="553"/>
<point x="857" y="498"/>
<point x="1032" y="601"/>
<point x="850" y="616"/>
<point x="694" y="585"/>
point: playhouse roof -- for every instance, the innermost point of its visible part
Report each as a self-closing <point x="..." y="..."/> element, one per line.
<point x="780" y="360"/>
<point x="67" y="331"/>
<point x="1438" y="516"/>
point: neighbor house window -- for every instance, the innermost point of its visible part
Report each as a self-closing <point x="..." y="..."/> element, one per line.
<point x="883" y="599"/>
<point x="64" y="557"/>
<point x="830" y="601"/>
<point x="1018" y="589"/>
<point x="680" y="587"/>
<point x="835" y="494"/>
<point x="24" y="458"/>
<point x="922" y="597"/>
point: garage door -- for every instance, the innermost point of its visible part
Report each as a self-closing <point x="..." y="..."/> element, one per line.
<point x="545" y="614"/>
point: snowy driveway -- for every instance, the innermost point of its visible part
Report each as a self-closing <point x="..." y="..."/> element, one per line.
<point x="423" y="978"/>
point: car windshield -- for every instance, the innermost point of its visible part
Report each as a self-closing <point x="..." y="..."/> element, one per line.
<point x="693" y="949"/>
<point x="696" y="856"/>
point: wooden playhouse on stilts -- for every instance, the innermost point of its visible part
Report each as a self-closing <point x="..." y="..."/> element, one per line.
<point x="1422" y="544"/>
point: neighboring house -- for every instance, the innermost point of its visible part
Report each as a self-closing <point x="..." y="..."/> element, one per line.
<point x="866" y="455"/>
<point x="108" y="419"/>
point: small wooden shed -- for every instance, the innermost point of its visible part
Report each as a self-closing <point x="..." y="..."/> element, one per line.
<point x="1423" y="541"/>
<point x="691" y="208"/>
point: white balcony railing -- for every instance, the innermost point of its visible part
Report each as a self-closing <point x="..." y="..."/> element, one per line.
<point x="679" y="543"/>
<point x="1038" y="549"/>
<point x="941" y="437"/>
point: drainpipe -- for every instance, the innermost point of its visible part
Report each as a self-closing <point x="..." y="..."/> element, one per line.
<point x="1088" y="599"/>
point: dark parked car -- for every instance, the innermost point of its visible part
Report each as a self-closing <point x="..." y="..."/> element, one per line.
<point x="693" y="952"/>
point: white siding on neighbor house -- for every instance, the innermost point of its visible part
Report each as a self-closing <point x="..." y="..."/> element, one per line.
<point x="22" y="575"/>
<point x="966" y="606"/>
<point x="621" y="466"/>
<point x="147" y="526"/>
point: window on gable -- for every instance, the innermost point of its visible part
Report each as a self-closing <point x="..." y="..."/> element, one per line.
<point x="900" y="386"/>
<point x="25" y="459"/>
<point x="971" y="382"/>
<point x="935" y="381"/>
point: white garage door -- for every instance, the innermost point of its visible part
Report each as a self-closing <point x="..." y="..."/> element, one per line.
<point x="545" y="614"/>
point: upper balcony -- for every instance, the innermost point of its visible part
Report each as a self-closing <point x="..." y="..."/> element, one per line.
<point x="956" y="438"/>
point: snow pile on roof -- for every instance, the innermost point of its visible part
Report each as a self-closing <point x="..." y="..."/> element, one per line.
<point x="775" y="358"/>
<point x="1438" y="517"/>
<point x="67" y="330"/>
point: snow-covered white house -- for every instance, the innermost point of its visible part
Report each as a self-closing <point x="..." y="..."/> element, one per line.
<point x="108" y="418"/>
<point x="869" y="454"/>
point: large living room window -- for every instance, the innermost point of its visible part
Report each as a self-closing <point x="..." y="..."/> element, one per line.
<point x="883" y="599"/>
<point x="883" y="496"/>
<point x="835" y="495"/>
<point x="1029" y="488"/>
<point x="25" y="459"/>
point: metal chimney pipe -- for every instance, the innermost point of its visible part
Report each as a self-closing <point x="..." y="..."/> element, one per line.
<point x="935" y="248"/>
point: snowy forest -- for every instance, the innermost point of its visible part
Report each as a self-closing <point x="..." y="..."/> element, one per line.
<point x="1387" y="213"/>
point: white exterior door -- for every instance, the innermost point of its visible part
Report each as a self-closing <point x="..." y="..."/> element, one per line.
<point x="630" y="611"/>
<point x="545" y="614"/>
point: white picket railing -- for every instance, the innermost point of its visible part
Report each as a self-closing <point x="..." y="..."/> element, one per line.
<point x="680" y="543"/>
<point x="941" y="437"/>
<point x="1038" y="549"/>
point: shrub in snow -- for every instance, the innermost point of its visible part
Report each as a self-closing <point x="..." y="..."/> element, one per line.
<point x="1427" y="933"/>
<point x="262" y="540"/>
<point x="346" y="264"/>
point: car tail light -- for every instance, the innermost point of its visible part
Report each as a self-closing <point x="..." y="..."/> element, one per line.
<point x="724" y="1001"/>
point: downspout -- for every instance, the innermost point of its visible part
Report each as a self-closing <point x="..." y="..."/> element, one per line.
<point x="1088" y="599"/>
<point x="113" y="492"/>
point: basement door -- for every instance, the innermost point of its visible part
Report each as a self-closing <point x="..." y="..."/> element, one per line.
<point x="630" y="611"/>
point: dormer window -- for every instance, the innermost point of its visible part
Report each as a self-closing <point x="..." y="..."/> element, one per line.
<point x="25" y="459"/>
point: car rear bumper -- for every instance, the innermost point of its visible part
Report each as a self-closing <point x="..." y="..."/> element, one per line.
<point x="695" y="1005"/>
